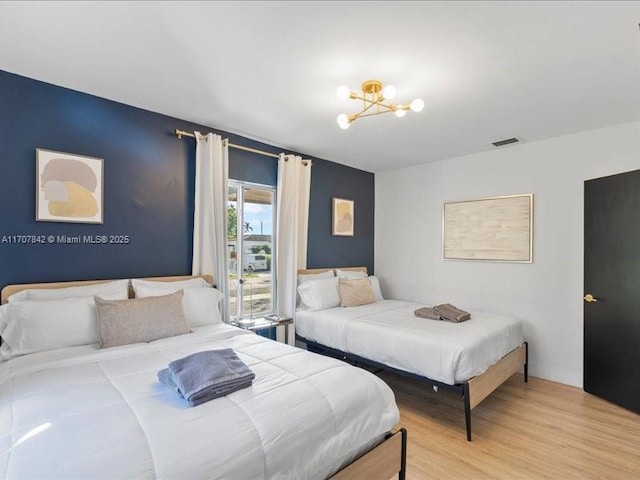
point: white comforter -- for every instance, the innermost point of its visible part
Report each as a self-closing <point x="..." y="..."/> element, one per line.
<point x="388" y="332"/>
<point x="88" y="413"/>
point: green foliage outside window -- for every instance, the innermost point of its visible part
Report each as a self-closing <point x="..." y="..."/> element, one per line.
<point x="232" y="223"/>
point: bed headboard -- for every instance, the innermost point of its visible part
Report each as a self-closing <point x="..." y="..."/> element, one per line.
<point x="322" y="270"/>
<point x="13" y="289"/>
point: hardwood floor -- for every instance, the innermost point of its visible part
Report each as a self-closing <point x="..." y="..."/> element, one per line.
<point x="521" y="431"/>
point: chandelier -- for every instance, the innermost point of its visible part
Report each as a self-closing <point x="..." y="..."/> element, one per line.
<point x="375" y="99"/>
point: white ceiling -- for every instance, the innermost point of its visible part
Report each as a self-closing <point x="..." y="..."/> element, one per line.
<point x="269" y="70"/>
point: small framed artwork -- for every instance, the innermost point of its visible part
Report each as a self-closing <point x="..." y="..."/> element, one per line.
<point x="498" y="229"/>
<point x="69" y="188"/>
<point x="342" y="217"/>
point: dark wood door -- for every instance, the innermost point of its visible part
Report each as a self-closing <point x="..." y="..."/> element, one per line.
<point x="612" y="277"/>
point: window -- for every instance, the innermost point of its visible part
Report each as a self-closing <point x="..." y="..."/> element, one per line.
<point x="250" y="249"/>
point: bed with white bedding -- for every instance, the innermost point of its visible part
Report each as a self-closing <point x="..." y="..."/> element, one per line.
<point x="86" y="412"/>
<point x="389" y="332"/>
<point x="471" y="358"/>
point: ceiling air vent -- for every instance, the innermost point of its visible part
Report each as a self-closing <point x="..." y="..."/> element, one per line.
<point x="507" y="141"/>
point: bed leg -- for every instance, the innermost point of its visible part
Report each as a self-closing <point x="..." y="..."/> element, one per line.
<point x="526" y="362"/>
<point x="467" y="409"/>
<point x="403" y="461"/>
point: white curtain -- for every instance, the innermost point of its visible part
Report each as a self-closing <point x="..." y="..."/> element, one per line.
<point x="210" y="215"/>
<point x="294" y="185"/>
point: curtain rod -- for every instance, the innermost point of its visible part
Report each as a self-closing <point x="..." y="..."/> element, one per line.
<point x="182" y="133"/>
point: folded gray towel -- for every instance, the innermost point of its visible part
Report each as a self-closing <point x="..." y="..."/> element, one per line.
<point x="165" y="377"/>
<point x="203" y="376"/>
<point x="427" y="312"/>
<point x="451" y="313"/>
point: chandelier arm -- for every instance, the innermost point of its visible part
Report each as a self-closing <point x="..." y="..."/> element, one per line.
<point x="373" y="102"/>
<point x="364" y="109"/>
<point x="360" y="115"/>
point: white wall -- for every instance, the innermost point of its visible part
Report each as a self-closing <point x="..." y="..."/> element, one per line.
<point x="546" y="294"/>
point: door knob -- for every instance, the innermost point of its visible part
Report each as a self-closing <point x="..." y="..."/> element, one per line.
<point x="590" y="298"/>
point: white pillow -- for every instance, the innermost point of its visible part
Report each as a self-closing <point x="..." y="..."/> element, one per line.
<point x="308" y="277"/>
<point x="375" y="286"/>
<point x="350" y="275"/>
<point x="320" y="294"/>
<point x="34" y="326"/>
<point x="169" y="287"/>
<point x="116" y="290"/>
<point x="200" y="304"/>
<point x="4" y="315"/>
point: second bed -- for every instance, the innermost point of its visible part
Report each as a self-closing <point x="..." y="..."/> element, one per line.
<point x="471" y="358"/>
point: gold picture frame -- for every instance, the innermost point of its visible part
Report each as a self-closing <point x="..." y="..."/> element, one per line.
<point x="342" y="217"/>
<point x="69" y="187"/>
<point x="496" y="229"/>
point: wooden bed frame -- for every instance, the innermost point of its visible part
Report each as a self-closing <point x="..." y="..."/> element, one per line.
<point x="382" y="462"/>
<point x="473" y="391"/>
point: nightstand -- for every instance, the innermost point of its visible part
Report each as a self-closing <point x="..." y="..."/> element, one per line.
<point x="262" y="323"/>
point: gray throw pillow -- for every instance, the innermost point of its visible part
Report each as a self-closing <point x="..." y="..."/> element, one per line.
<point x="122" y="322"/>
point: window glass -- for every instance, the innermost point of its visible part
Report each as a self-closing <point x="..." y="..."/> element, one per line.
<point x="251" y="214"/>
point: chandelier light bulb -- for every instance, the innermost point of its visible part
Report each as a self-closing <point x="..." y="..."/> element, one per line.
<point x="343" y="92"/>
<point x="343" y="121"/>
<point x="400" y="111"/>
<point x="389" y="92"/>
<point x="417" y="105"/>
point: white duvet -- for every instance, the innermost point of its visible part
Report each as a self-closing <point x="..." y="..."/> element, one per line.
<point x="388" y="332"/>
<point x="87" y="413"/>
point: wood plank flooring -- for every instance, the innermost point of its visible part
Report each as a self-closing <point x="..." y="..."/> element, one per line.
<point x="535" y="430"/>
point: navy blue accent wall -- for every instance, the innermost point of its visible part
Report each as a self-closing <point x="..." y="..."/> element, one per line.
<point x="148" y="188"/>
<point x="252" y="167"/>
<point x="330" y="180"/>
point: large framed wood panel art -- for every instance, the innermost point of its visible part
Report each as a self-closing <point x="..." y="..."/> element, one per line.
<point x="494" y="229"/>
